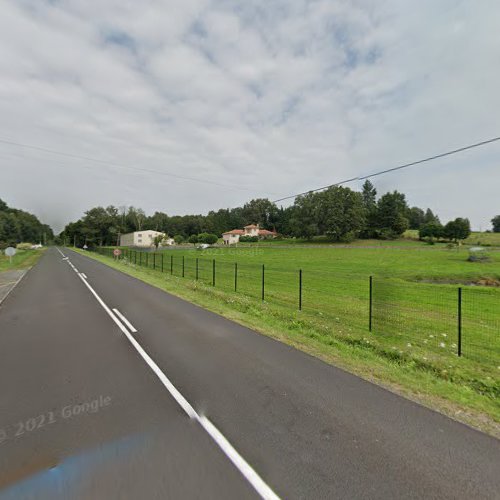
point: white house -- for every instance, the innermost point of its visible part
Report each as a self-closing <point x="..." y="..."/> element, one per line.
<point x="251" y="230"/>
<point x="232" y="237"/>
<point x="143" y="239"/>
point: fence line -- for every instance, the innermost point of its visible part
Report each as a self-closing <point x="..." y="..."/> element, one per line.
<point x="437" y="319"/>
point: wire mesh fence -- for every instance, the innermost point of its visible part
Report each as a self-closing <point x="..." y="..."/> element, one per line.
<point x="433" y="321"/>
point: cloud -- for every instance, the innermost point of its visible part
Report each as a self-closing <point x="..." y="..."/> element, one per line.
<point x="272" y="97"/>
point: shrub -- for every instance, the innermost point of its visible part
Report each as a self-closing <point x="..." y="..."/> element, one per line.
<point x="178" y="238"/>
<point x="207" y="238"/>
<point x="387" y="234"/>
<point x="24" y="246"/>
<point x="6" y="244"/>
<point x="211" y="239"/>
<point x="248" y="239"/>
<point x="431" y="230"/>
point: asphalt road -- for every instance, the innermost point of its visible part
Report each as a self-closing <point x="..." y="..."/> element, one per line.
<point x="8" y="280"/>
<point x="192" y="405"/>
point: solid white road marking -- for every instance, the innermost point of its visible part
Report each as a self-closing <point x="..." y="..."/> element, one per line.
<point x="163" y="378"/>
<point x="125" y="320"/>
<point x="238" y="461"/>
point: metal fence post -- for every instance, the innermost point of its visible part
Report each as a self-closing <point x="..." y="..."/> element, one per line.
<point x="147" y="259"/>
<point x="154" y="261"/>
<point x="235" y="276"/>
<point x="196" y="268"/>
<point x="172" y="264"/>
<point x="300" y="289"/>
<point x="135" y="256"/>
<point x="263" y="282"/>
<point x="162" y="263"/>
<point x="371" y="303"/>
<point x="183" y="266"/>
<point x="140" y="258"/>
<point x="213" y="272"/>
<point x="459" y="343"/>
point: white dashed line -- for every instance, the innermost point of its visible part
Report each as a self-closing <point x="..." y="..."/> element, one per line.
<point x="125" y="320"/>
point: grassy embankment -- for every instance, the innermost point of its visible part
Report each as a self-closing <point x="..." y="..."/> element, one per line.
<point x="24" y="259"/>
<point x="412" y="348"/>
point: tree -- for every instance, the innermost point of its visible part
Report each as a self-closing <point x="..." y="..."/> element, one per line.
<point x="369" y="194"/>
<point x="9" y="228"/>
<point x="260" y="211"/>
<point x="391" y="215"/>
<point x="157" y="240"/>
<point x="340" y="213"/>
<point x="75" y="234"/>
<point x="207" y="238"/>
<point x="193" y="239"/>
<point x="178" y="238"/>
<point x="211" y="239"/>
<point x="430" y="217"/>
<point x="18" y="226"/>
<point x="495" y="222"/>
<point x="135" y="218"/>
<point x="158" y="222"/>
<point x="416" y="218"/>
<point x="458" y="229"/>
<point x="303" y="219"/>
<point x="430" y="231"/>
<point x="99" y="225"/>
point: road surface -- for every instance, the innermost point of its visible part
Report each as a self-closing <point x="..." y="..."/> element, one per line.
<point x="191" y="405"/>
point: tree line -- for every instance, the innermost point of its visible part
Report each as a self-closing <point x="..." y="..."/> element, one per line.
<point x="337" y="213"/>
<point x="18" y="226"/>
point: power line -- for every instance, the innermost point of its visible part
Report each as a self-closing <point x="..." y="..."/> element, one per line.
<point x="117" y="165"/>
<point x="406" y="165"/>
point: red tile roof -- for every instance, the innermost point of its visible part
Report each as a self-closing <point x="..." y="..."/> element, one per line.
<point x="235" y="231"/>
<point x="251" y="226"/>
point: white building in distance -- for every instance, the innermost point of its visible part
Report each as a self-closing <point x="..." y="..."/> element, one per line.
<point x="144" y="239"/>
<point x="232" y="237"/>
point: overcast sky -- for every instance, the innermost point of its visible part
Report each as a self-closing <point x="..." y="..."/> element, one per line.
<point x="259" y="98"/>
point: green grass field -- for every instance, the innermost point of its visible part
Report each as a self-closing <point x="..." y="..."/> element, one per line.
<point x="22" y="260"/>
<point x="415" y="293"/>
<point x="476" y="238"/>
<point x="415" y="303"/>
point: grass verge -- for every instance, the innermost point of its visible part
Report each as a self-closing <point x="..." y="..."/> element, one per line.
<point x="24" y="259"/>
<point x="474" y="402"/>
